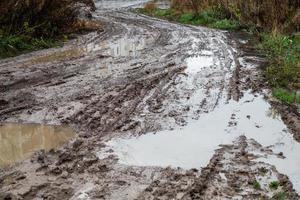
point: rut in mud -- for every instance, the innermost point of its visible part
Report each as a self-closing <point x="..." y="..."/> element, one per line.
<point x="137" y="77"/>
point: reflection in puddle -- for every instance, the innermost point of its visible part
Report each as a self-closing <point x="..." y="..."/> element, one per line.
<point x="122" y="47"/>
<point x="128" y="47"/>
<point x="197" y="63"/>
<point x="18" y="141"/>
<point x="193" y="145"/>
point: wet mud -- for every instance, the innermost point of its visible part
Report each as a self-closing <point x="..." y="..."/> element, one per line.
<point x="139" y="76"/>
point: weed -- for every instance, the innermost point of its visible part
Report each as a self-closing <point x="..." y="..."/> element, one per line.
<point x="274" y="185"/>
<point x="186" y="18"/>
<point x="256" y="185"/>
<point x="226" y="24"/>
<point x="283" y="53"/>
<point x="286" y="96"/>
<point x="279" y="196"/>
<point x="12" y="44"/>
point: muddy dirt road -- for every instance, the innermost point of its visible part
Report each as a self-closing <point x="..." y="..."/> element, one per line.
<point x="161" y="111"/>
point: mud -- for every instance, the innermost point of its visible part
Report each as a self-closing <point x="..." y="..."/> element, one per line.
<point x="136" y="77"/>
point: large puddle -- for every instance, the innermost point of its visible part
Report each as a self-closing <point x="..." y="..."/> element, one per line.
<point x="193" y="145"/>
<point x="19" y="141"/>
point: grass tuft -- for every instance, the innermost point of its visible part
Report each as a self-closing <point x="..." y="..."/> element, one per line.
<point x="256" y="185"/>
<point x="274" y="185"/>
<point x="279" y="196"/>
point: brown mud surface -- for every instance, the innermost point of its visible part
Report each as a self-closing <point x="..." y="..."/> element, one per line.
<point x="133" y="78"/>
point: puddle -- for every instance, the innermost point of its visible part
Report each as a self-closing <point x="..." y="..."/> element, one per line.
<point x="122" y="47"/>
<point x="129" y="47"/>
<point x="193" y="146"/>
<point x="19" y="141"/>
<point x="197" y="63"/>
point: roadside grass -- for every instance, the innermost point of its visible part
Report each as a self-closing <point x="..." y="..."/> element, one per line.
<point x="283" y="54"/>
<point x="12" y="44"/>
<point x="209" y="18"/>
<point x="286" y="96"/>
<point x="25" y="39"/>
<point x="282" y="50"/>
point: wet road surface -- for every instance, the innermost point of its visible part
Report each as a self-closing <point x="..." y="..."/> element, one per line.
<point x="142" y="95"/>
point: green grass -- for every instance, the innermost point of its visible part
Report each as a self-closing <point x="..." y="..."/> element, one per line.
<point x="283" y="53"/>
<point x="226" y="24"/>
<point x="279" y="196"/>
<point x="283" y="70"/>
<point x="256" y="185"/>
<point x="208" y="18"/>
<point x="286" y="96"/>
<point x="13" y="44"/>
<point x="274" y="185"/>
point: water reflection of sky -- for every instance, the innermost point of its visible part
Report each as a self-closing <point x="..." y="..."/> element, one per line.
<point x="193" y="145"/>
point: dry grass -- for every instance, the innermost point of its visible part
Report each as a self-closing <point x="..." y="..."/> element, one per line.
<point x="150" y="7"/>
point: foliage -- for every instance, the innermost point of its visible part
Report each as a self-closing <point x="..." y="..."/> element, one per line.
<point x="279" y="196"/>
<point x="286" y="96"/>
<point x="256" y="185"/>
<point x="210" y="18"/>
<point x="28" y="25"/>
<point x="274" y="185"/>
<point x="226" y="24"/>
<point x="14" y="44"/>
<point x="284" y="59"/>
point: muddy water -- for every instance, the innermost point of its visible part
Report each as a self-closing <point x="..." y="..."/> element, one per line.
<point x="193" y="145"/>
<point x="19" y="141"/>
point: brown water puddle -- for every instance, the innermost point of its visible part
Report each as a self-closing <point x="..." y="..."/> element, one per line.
<point x="19" y="141"/>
